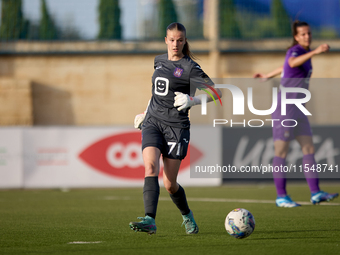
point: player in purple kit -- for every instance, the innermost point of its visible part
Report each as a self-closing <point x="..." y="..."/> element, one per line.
<point x="295" y="72"/>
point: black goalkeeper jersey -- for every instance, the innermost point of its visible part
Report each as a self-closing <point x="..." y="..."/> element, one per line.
<point x="185" y="76"/>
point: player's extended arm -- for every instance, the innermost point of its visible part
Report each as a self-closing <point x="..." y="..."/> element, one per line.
<point x="183" y="101"/>
<point x="298" y="61"/>
<point x="140" y="118"/>
<point x="267" y="76"/>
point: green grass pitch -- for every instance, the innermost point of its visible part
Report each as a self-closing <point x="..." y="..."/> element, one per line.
<point x="96" y="221"/>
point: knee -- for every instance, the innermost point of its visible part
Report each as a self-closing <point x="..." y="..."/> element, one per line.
<point x="281" y="154"/>
<point x="171" y="187"/>
<point x="308" y="149"/>
<point x="151" y="170"/>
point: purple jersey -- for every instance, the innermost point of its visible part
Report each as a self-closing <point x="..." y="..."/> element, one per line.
<point x="293" y="77"/>
<point x="296" y="76"/>
<point x="303" y="71"/>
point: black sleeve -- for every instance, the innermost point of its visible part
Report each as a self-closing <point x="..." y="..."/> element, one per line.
<point x="155" y="63"/>
<point x="199" y="79"/>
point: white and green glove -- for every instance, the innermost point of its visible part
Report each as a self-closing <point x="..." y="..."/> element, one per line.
<point x="184" y="101"/>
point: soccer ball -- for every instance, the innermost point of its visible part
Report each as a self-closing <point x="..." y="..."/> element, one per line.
<point x="239" y="223"/>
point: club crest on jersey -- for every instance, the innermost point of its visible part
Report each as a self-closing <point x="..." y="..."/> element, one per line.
<point x="178" y="72"/>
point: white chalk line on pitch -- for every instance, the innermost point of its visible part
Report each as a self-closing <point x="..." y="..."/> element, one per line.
<point x="82" y="242"/>
<point x="222" y="200"/>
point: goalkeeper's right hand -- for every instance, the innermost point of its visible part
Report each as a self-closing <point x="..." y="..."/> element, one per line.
<point x="139" y="120"/>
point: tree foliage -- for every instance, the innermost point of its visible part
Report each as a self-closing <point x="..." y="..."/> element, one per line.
<point x="47" y="28"/>
<point x="109" y="20"/>
<point x="13" y="24"/>
<point x="229" y="27"/>
<point x="281" y="20"/>
<point x="167" y="15"/>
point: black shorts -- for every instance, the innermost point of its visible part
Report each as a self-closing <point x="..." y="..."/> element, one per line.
<point x="173" y="142"/>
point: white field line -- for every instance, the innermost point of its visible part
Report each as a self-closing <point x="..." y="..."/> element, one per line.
<point x="82" y="242"/>
<point x="222" y="200"/>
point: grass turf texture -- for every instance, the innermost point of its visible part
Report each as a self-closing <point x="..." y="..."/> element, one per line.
<point x="48" y="221"/>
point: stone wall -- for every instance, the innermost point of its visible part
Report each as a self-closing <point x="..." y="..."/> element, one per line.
<point x="108" y="83"/>
<point x="15" y="102"/>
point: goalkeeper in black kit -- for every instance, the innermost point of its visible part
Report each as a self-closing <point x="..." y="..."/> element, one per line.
<point x="165" y="125"/>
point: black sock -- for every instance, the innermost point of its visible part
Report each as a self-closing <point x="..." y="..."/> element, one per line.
<point x="151" y="195"/>
<point x="180" y="201"/>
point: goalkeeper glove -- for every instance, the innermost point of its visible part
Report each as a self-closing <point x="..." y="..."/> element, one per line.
<point x="184" y="101"/>
<point x="140" y="118"/>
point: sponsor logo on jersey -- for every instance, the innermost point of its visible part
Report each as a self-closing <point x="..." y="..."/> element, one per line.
<point x="120" y="155"/>
<point x="161" y="86"/>
<point x="178" y="72"/>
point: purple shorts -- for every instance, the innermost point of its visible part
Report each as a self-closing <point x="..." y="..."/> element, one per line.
<point x="289" y="129"/>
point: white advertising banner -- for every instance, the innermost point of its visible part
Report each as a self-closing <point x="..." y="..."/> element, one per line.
<point x="11" y="158"/>
<point x="67" y="157"/>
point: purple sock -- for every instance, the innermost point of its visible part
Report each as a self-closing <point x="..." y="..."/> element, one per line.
<point x="311" y="176"/>
<point x="279" y="177"/>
